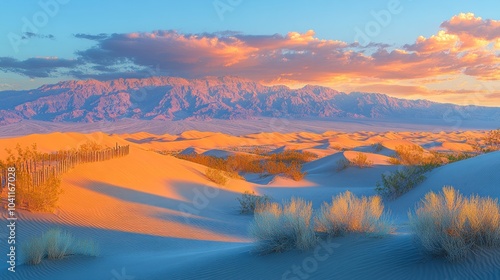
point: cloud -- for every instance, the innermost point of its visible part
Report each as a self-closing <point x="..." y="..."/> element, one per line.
<point x="465" y="45"/>
<point x="38" y="67"/>
<point x="300" y="57"/>
<point x="470" y="25"/>
<point x="91" y="37"/>
<point x="30" y="35"/>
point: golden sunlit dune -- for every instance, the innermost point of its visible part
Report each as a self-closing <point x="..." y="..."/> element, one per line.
<point x="157" y="202"/>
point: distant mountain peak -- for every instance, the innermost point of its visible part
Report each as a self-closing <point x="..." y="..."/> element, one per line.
<point x="226" y="97"/>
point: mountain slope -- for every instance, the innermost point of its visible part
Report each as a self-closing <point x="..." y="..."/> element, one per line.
<point x="169" y="98"/>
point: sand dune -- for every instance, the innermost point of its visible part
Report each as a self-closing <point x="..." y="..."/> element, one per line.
<point x="159" y="217"/>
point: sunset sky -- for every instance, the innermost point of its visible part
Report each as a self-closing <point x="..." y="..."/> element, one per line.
<point x="446" y="51"/>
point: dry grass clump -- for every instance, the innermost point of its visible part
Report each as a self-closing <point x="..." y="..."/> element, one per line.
<point x="56" y="244"/>
<point x="279" y="229"/>
<point x="413" y="155"/>
<point x="342" y="164"/>
<point x="348" y="213"/>
<point x="42" y="198"/>
<point x="249" y="201"/>
<point x="361" y="161"/>
<point x="451" y="225"/>
<point x="400" y="181"/>
<point x="377" y="147"/>
<point x="291" y="156"/>
<point x="492" y="141"/>
<point x="216" y="176"/>
<point x="288" y="163"/>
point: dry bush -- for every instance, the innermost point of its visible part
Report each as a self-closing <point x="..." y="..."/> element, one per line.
<point x="40" y="198"/>
<point x="288" y="163"/>
<point x="451" y="225"/>
<point x="377" y="147"/>
<point x="290" y="156"/>
<point x="34" y="251"/>
<point x="292" y="170"/>
<point x="90" y="146"/>
<point x="342" y="164"/>
<point x="56" y="244"/>
<point x="245" y="163"/>
<point x="492" y="141"/>
<point x="279" y="229"/>
<point x="361" y="161"/>
<point x="400" y="181"/>
<point x="348" y="213"/>
<point x="216" y="176"/>
<point x="413" y="155"/>
<point x="249" y="201"/>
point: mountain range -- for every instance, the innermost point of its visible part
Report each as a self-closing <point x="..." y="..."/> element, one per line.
<point x="172" y="98"/>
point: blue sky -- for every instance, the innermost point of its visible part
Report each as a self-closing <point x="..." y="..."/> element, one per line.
<point x="330" y="20"/>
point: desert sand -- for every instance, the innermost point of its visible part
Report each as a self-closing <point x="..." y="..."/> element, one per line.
<point x="155" y="216"/>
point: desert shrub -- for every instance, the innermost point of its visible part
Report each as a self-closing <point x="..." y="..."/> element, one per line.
<point x="292" y="170"/>
<point x="492" y="141"/>
<point x="451" y="225"/>
<point x="361" y="161"/>
<point x="292" y="156"/>
<point x="43" y="197"/>
<point x="377" y="147"/>
<point x="348" y="213"/>
<point x="288" y="163"/>
<point x="249" y="201"/>
<point x="414" y="155"/>
<point x="245" y="163"/>
<point x="342" y="164"/>
<point x="279" y="229"/>
<point x="90" y="146"/>
<point x="56" y="244"/>
<point x="400" y="181"/>
<point x="34" y="251"/>
<point x="454" y="157"/>
<point x="216" y="176"/>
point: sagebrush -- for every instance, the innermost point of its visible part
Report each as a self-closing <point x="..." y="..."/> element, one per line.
<point x="400" y="181"/>
<point x="281" y="228"/>
<point x="249" y="201"/>
<point x="57" y="244"/>
<point x="348" y="213"/>
<point x="453" y="226"/>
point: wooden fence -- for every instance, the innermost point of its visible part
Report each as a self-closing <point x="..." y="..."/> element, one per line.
<point x="46" y="165"/>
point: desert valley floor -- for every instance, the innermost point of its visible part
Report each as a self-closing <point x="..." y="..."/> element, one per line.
<point x="156" y="216"/>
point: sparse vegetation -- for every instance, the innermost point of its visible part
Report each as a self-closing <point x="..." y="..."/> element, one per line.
<point x="216" y="176"/>
<point x="377" y="147"/>
<point x="348" y="213"/>
<point x="90" y="146"/>
<point x="361" y="161"/>
<point x="414" y="155"/>
<point x="342" y="164"/>
<point x="451" y="225"/>
<point x="400" y="181"/>
<point x="492" y="141"/>
<point x="288" y="163"/>
<point x="41" y="198"/>
<point x="56" y="244"/>
<point x="249" y="201"/>
<point x="279" y="229"/>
